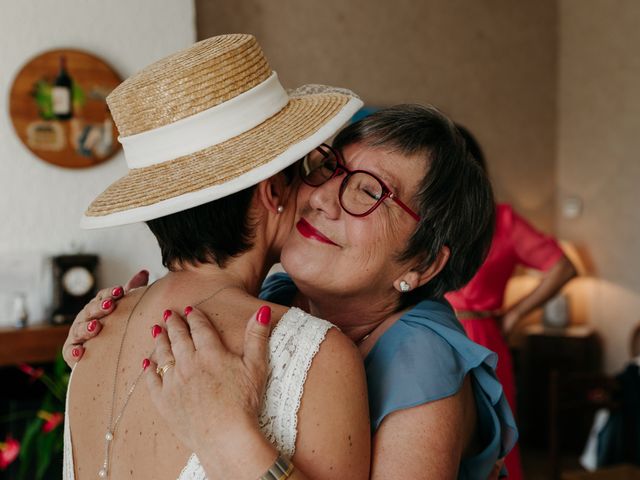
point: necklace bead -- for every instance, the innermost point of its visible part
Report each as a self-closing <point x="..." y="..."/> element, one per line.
<point x="108" y="436"/>
<point x="102" y="473"/>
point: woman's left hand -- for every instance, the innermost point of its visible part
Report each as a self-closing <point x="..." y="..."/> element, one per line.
<point x="202" y="390"/>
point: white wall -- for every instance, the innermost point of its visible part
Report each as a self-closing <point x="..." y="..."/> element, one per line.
<point x="40" y="204"/>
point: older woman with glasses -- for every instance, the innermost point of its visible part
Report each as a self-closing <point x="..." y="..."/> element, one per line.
<point x="390" y="218"/>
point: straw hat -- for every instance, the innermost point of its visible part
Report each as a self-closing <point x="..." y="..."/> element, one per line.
<point x="207" y="122"/>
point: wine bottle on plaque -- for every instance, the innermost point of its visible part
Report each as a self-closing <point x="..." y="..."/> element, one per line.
<point x="61" y="92"/>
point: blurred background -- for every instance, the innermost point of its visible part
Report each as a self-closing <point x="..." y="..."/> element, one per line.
<point x="551" y="89"/>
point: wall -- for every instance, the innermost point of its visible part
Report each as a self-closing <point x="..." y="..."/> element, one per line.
<point x="490" y="64"/>
<point x="598" y="145"/>
<point x="40" y="205"/>
<point x="550" y="88"/>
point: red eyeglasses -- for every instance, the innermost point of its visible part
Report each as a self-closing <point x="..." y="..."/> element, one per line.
<point x="361" y="192"/>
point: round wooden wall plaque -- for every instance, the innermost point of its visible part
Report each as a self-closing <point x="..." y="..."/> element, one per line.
<point x="58" y="108"/>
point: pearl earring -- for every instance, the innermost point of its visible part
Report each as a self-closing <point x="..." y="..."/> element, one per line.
<point x="280" y="209"/>
<point x="404" y="286"/>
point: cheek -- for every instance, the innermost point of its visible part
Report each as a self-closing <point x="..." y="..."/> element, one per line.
<point x="372" y="246"/>
<point x="379" y="234"/>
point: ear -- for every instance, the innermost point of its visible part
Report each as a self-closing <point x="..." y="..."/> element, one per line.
<point x="415" y="279"/>
<point x="273" y="192"/>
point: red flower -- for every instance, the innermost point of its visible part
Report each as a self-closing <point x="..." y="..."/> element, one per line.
<point x="52" y="420"/>
<point x="8" y="452"/>
<point x="34" y="373"/>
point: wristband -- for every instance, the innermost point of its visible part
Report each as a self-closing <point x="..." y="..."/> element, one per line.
<point x="281" y="469"/>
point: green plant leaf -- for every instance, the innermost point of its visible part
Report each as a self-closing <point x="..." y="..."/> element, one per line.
<point x="28" y="449"/>
<point x="45" y="450"/>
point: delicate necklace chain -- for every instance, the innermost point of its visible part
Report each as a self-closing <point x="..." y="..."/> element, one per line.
<point x="359" y="342"/>
<point x="113" y="425"/>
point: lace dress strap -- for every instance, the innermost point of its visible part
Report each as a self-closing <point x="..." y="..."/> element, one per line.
<point x="293" y="344"/>
<point x="68" y="472"/>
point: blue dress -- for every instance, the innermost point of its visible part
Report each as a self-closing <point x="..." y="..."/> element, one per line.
<point x="424" y="357"/>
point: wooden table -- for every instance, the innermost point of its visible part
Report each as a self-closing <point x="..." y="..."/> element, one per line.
<point x="34" y="344"/>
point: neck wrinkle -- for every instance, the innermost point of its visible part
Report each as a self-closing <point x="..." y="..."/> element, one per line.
<point x="356" y="317"/>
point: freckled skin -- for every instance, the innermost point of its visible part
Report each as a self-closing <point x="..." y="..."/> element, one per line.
<point x="90" y="405"/>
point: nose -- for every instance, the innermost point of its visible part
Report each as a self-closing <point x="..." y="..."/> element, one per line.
<point x="325" y="197"/>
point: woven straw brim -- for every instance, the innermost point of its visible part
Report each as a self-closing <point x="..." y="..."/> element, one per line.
<point x="218" y="165"/>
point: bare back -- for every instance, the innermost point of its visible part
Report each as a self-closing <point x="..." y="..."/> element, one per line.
<point x="143" y="445"/>
<point x="333" y="413"/>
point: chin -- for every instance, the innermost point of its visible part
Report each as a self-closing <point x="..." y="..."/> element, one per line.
<point x="297" y="264"/>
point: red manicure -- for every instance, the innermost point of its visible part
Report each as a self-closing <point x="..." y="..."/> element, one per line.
<point x="166" y="315"/>
<point x="187" y="311"/>
<point x="117" y="292"/>
<point x="145" y="363"/>
<point x="264" y="315"/>
<point x="75" y="352"/>
<point x="91" y="326"/>
<point x="106" y="305"/>
<point x="156" y="330"/>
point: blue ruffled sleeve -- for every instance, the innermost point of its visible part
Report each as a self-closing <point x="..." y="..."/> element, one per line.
<point x="424" y="357"/>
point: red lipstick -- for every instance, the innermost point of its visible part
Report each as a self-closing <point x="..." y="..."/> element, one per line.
<point x="308" y="231"/>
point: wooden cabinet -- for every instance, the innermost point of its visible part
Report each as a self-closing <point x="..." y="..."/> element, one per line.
<point x="547" y="354"/>
<point x="35" y="344"/>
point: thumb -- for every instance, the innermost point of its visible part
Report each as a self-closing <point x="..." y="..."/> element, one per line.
<point x="256" y="339"/>
<point x="140" y="279"/>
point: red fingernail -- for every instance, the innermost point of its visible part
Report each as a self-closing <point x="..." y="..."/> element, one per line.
<point x="75" y="352"/>
<point x="156" y="330"/>
<point x="145" y="363"/>
<point x="187" y="311"/>
<point x="91" y="326"/>
<point x="117" y="292"/>
<point x="166" y="314"/>
<point x="106" y="305"/>
<point x="264" y="315"/>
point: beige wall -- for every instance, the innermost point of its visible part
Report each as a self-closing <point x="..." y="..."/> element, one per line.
<point x="598" y="159"/>
<point x="551" y="89"/>
<point x="491" y="65"/>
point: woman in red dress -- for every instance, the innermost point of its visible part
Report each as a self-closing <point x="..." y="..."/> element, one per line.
<point x="479" y="304"/>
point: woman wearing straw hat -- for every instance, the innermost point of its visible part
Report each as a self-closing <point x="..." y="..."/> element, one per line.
<point x="205" y="133"/>
<point x="394" y="213"/>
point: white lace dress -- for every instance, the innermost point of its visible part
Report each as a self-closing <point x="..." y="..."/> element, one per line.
<point x="293" y="344"/>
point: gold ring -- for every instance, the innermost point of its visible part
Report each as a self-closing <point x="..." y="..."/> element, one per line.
<point x="163" y="369"/>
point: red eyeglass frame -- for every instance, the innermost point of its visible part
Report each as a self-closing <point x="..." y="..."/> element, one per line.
<point x="386" y="191"/>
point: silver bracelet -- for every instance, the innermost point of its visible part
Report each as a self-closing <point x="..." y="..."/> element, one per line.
<point x="281" y="469"/>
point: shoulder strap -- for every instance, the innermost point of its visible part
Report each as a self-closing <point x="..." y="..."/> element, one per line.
<point x="293" y="344"/>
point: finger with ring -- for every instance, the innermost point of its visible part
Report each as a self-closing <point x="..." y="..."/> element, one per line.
<point x="161" y="370"/>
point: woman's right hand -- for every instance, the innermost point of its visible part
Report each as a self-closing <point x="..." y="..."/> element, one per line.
<point x="88" y="324"/>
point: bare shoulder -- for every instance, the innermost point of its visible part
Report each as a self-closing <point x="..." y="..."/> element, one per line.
<point x="445" y="428"/>
<point x="337" y="348"/>
<point x="333" y="421"/>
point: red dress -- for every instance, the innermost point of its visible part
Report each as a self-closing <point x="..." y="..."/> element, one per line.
<point x="515" y="242"/>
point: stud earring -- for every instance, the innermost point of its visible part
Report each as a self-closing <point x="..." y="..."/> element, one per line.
<point x="404" y="286"/>
<point x="280" y="209"/>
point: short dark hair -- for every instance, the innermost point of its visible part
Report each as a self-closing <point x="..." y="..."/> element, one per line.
<point x="455" y="200"/>
<point x="473" y="146"/>
<point x="210" y="233"/>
